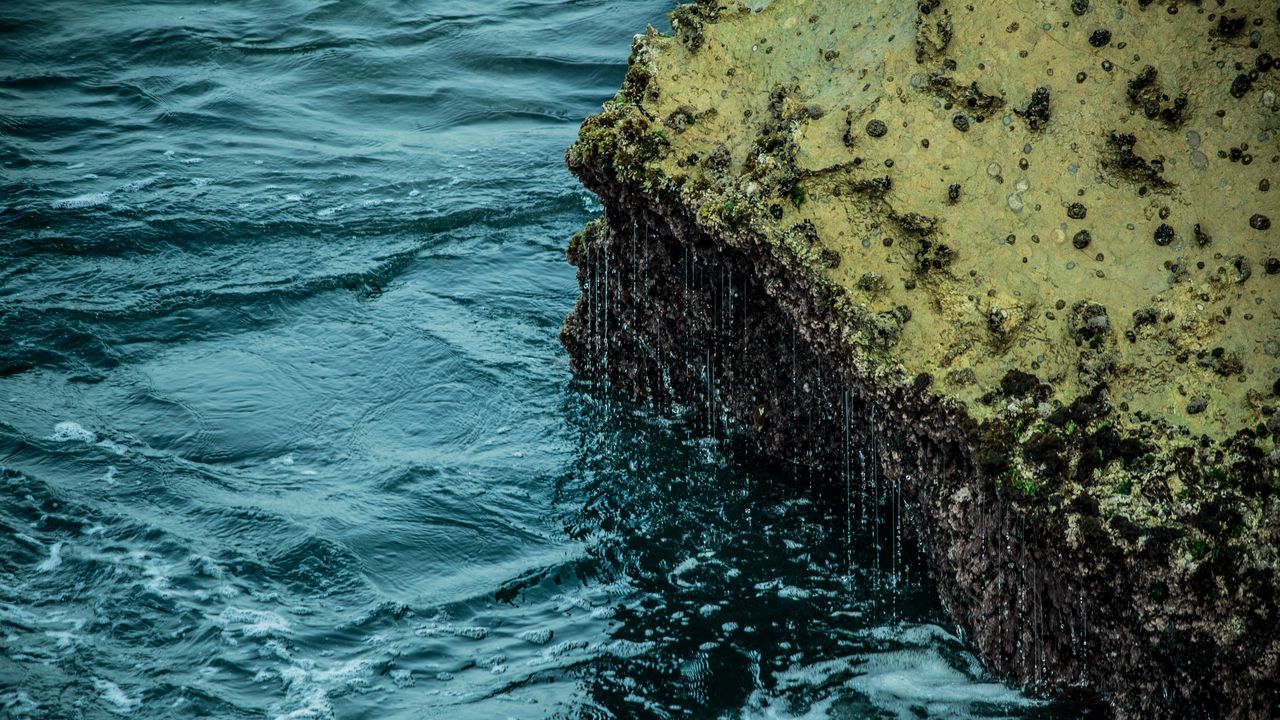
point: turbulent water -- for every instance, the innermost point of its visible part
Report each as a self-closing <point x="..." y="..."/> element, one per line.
<point x="286" y="431"/>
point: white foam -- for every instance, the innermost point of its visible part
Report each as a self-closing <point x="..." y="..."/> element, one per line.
<point x="119" y="702"/>
<point x="69" y="431"/>
<point x="65" y="638"/>
<point x="566" y="602"/>
<point x="110" y="477"/>
<point x="208" y="567"/>
<point x="55" y="558"/>
<point x="629" y="648"/>
<point x="136" y="185"/>
<point x="900" y="682"/>
<point x="560" y="650"/>
<point x="776" y="709"/>
<point x="541" y="636"/>
<point x="684" y="567"/>
<point x="315" y="707"/>
<point x="252" y="623"/>
<point x="791" y="592"/>
<point x="114" y="447"/>
<point x="81" y="201"/>
<point x="157" y="577"/>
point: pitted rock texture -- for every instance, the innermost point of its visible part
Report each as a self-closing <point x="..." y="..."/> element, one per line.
<point x="1035" y="239"/>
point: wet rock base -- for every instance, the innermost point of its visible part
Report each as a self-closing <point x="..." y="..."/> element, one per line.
<point x="732" y="336"/>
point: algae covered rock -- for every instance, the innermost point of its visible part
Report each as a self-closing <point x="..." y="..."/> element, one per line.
<point x="1035" y="239"/>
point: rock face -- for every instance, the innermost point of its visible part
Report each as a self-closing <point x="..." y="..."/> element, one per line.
<point x="1030" y="244"/>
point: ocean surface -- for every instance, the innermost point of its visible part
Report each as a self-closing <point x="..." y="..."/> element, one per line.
<point x="286" y="430"/>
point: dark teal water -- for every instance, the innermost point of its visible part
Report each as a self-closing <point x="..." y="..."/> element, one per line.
<point x="286" y="431"/>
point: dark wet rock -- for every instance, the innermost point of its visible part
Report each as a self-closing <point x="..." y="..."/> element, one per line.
<point x="1164" y="234"/>
<point x="1100" y="38"/>
<point x="1241" y="268"/>
<point x="1079" y="7"/>
<point x="933" y="257"/>
<point x="1197" y="405"/>
<point x="961" y="122"/>
<point x="1241" y="86"/>
<point x="1230" y="26"/>
<point x="969" y="97"/>
<point x="1143" y="317"/>
<point x="871" y="283"/>
<point x="688" y="22"/>
<point x="1077" y="211"/>
<point x="1145" y="93"/>
<point x="1037" y="112"/>
<point x="1260" y="222"/>
<point x="1089" y="321"/>
<point x="1081" y="240"/>
<point x="1221" y="362"/>
<point x="1121" y="160"/>
<point x="1202" y="238"/>
<point x="877" y="128"/>
<point x="1017" y="383"/>
<point x="934" y="31"/>
<point x="953" y="193"/>
<point x="681" y="118"/>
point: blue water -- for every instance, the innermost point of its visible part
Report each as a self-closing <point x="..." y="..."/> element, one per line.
<point x="286" y="431"/>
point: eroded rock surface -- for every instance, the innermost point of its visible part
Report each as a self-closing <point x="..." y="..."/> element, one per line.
<point x="1036" y="240"/>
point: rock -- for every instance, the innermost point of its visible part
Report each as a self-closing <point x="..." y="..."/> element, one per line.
<point x="862" y="269"/>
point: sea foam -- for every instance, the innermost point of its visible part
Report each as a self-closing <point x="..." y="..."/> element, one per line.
<point x="54" y="559"/>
